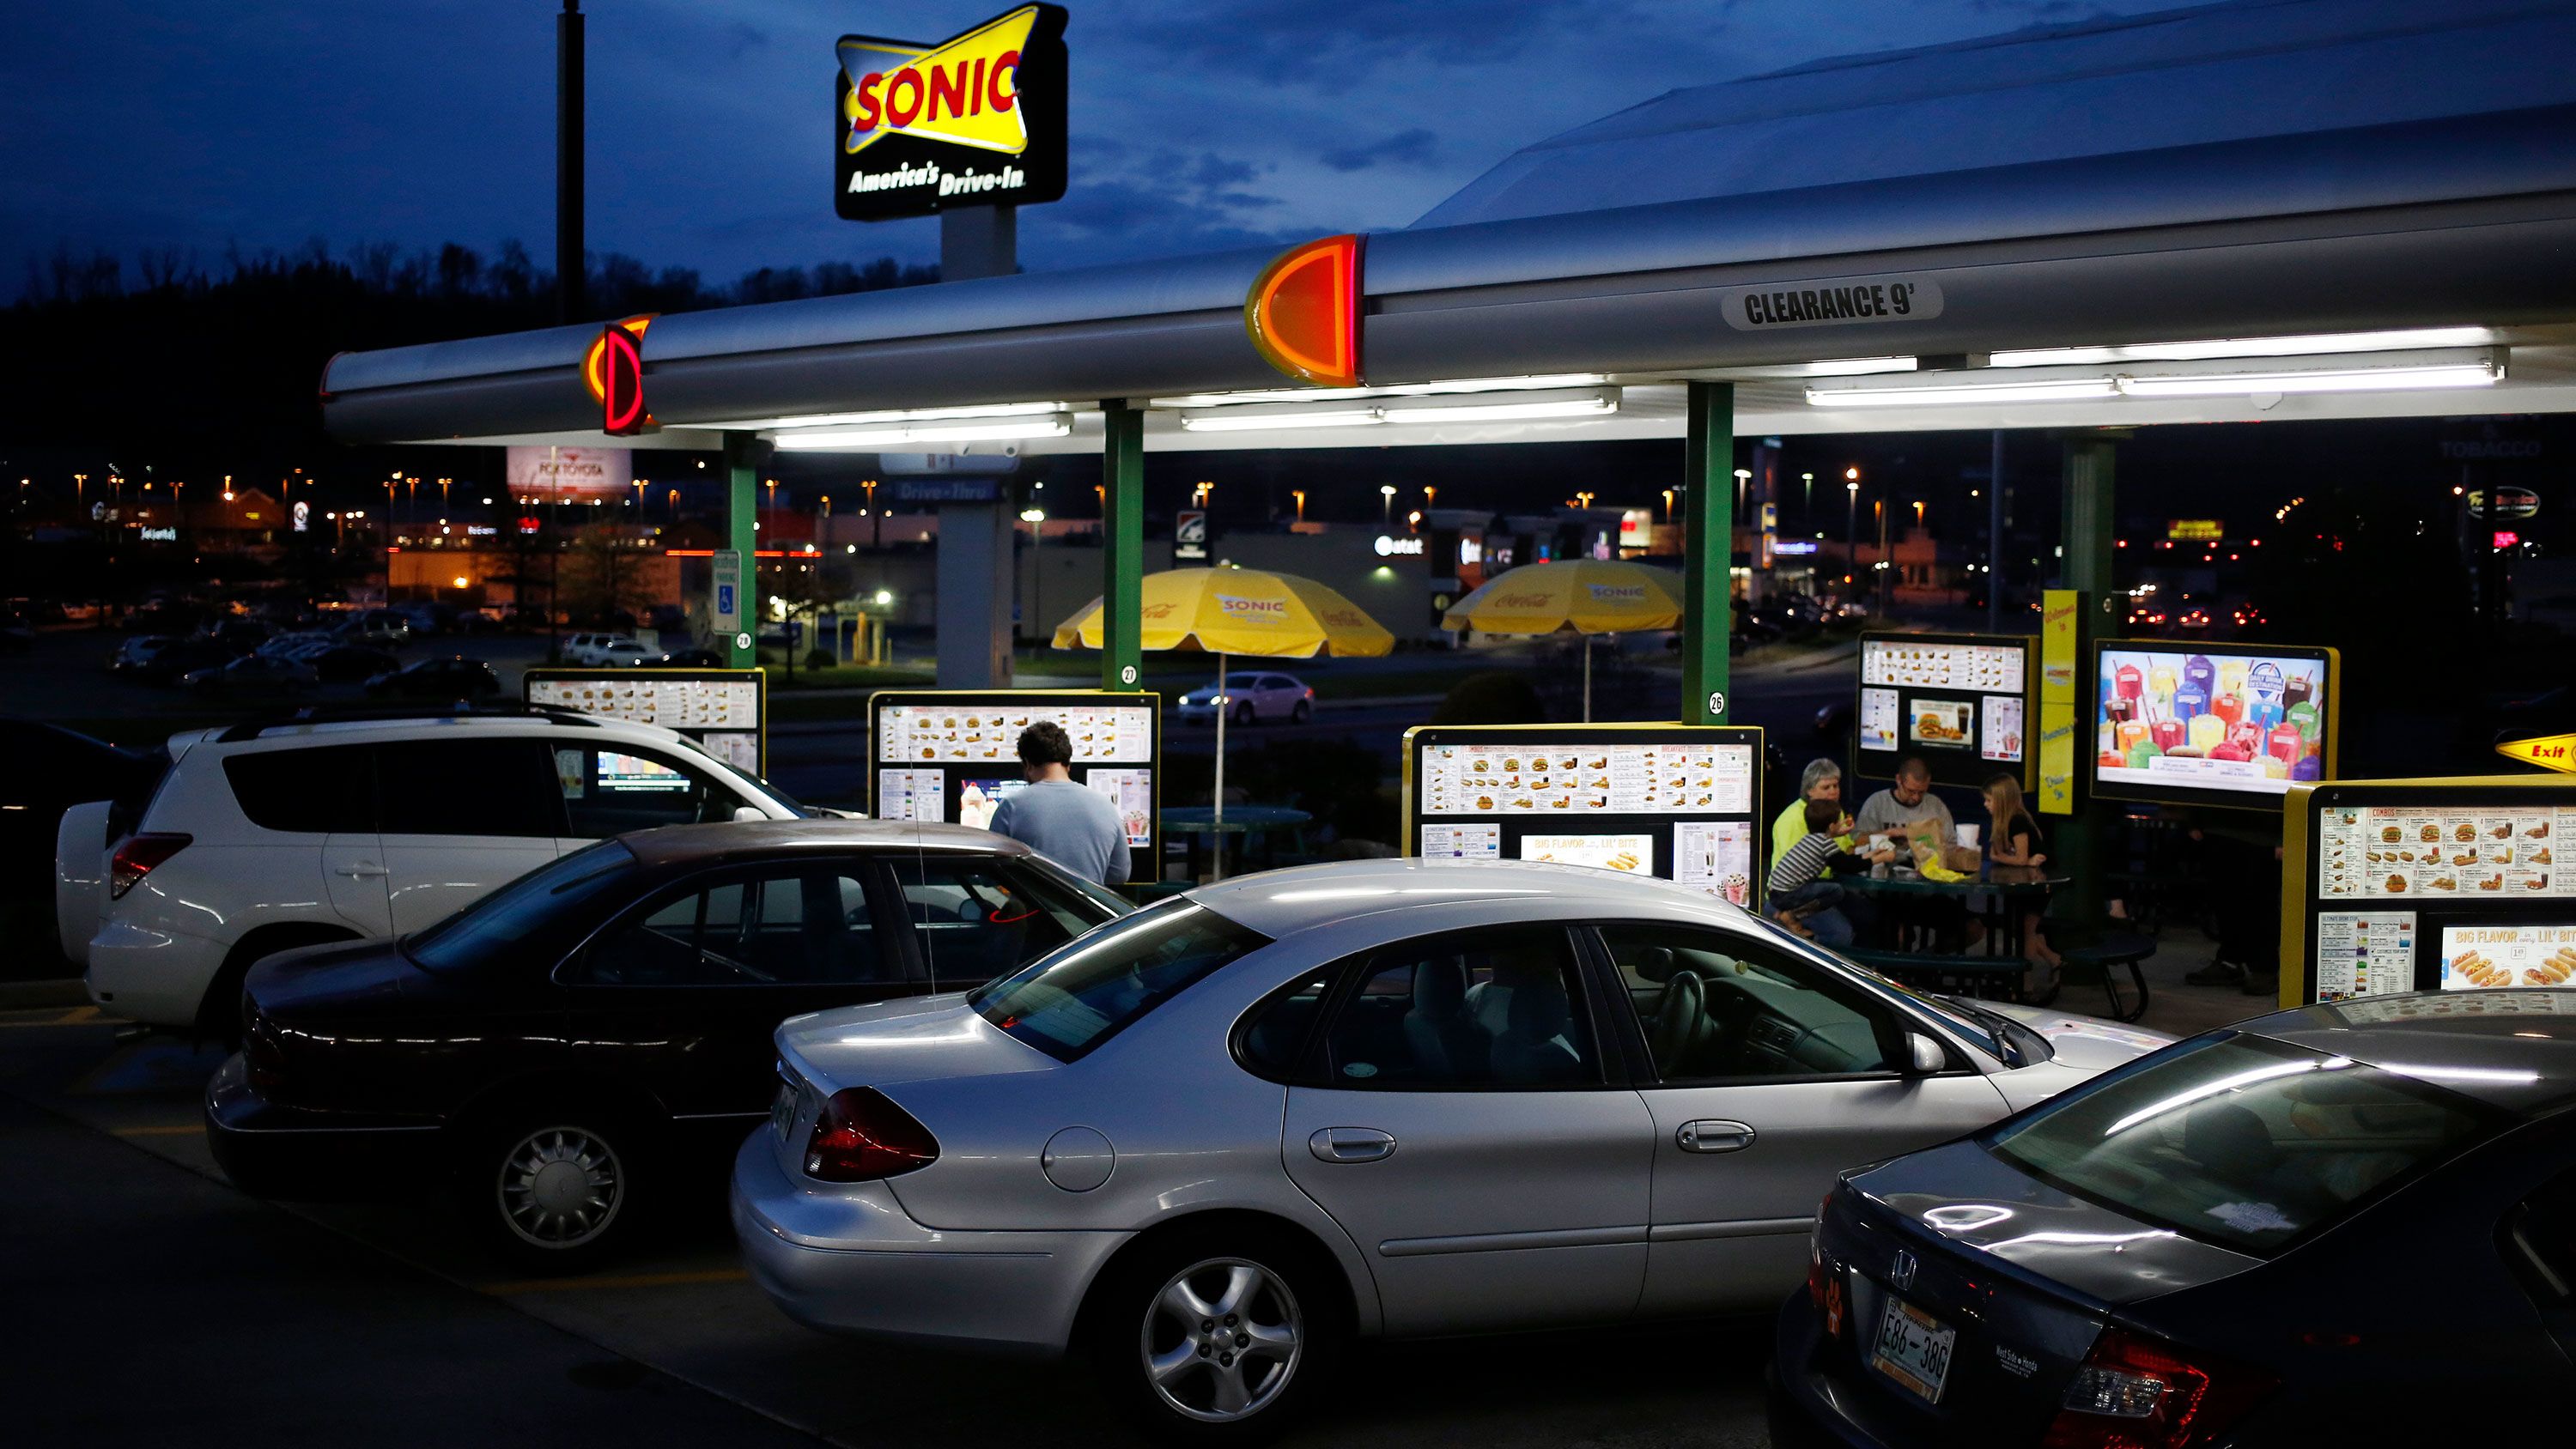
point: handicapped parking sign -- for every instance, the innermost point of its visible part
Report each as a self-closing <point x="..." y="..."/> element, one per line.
<point x="724" y="599"/>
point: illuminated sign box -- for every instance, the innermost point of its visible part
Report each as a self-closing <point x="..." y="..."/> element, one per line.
<point x="725" y="710"/>
<point x="977" y="119"/>
<point x="953" y="755"/>
<point x="2195" y="530"/>
<point x="2183" y="722"/>
<point x="1962" y="702"/>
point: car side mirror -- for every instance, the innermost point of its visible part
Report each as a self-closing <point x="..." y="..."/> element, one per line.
<point x="746" y="814"/>
<point x="1923" y="1056"/>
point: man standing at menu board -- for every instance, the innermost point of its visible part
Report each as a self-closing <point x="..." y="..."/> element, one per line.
<point x="1073" y="825"/>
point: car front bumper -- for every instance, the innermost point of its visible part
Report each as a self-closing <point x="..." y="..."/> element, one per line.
<point x="303" y="1155"/>
<point x="846" y="1258"/>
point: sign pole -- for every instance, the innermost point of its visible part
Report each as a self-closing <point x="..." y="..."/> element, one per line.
<point x="742" y="501"/>
<point x="2089" y="459"/>
<point x="1122" y="540"/>
<point x="1708" y="523"/>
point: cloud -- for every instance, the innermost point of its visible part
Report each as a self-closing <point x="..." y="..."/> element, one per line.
<point x="1415" y="147"/>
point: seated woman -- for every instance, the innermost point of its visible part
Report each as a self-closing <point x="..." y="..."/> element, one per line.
<point x="2014" y="839"/>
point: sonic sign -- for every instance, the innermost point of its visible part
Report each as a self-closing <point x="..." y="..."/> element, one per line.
<point x="973" y="120"/>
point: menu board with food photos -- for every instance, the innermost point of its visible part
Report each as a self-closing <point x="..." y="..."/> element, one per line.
<point x="953" y="755"/>
<point x="724" y="710"/>
<point x="1675" y="801"/>
<point x="1961" y="701"/>
<point x="2393" y="886"/>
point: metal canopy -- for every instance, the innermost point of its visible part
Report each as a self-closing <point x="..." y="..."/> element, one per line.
<point x="2258" y="169"/>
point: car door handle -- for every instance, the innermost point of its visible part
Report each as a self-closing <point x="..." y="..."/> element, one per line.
<point x="1350" y="1144"/>
<point x="1711" y="1134"/>
<point x="363" y="870"/>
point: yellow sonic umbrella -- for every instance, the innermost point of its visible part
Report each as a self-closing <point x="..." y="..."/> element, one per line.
<point x="1238" y="611"/>
<point x="1578" y="595"/>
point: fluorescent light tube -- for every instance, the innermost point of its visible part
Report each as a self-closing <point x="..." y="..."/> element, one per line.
<point x="2475" y="370"/>
<point x="897" y="415"/>
<point x="1248" y="419"/>
<point x="1935" y="391"/>
<point x="1507" y="407"/>
<point x="960" y="431"/>
<point x="2325" y="342"/>
<point x="1345" y="394"/>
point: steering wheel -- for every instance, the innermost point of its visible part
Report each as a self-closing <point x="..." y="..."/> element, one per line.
<point x="1678" y="1020"/>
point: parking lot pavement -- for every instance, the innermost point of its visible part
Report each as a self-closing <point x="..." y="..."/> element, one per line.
<point x="178" y="1310"/>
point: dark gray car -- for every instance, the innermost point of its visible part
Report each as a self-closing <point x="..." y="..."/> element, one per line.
<point x="2344" y="1224"/>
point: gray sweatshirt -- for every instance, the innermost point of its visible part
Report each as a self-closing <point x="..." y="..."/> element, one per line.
<point x="1073" y="825"/>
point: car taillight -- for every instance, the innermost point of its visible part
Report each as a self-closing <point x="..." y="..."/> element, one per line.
<point x="861" y="1136"/>
<point x="2135" y="1392"/>
<point x="136" y="858"/>
<point x="1824" y="1280"/>
<point x="264" y="1061"/>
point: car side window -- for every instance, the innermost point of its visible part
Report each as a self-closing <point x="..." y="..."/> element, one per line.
<point x="2539" y="1238"/>
<point x="1715" y="1006"/>
<point x="465" y="787"/>
<point x="1274" y="1035"/>
<point x="611" y="791"/>
<point x="800" y="927"/>
<point x="329" y="790"/>
<point x="980" y="917"/>
<point x="1493" y="1009"/>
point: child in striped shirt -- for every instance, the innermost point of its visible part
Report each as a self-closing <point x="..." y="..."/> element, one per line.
<point x="1800" y="895"/>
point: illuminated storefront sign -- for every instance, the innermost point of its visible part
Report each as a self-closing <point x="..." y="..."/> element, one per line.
<point x="1391" y="546"/>
<point x="1303" y="312"/>
<point x="569" y="475"/>
<point x="973" y="120"/>
<point x="160" y="535"/>
<point x="2195" y="530"/>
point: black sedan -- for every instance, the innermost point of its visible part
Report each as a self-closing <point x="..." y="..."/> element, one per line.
<point x="592" y="1040"/>
<point x="451" y="677"/>
<point x="340" y="663"/>
<point x="2339" y="1225"/>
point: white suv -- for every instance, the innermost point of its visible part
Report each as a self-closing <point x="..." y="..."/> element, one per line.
<point x="267" y="836"/>
<point x="595" y="651"/>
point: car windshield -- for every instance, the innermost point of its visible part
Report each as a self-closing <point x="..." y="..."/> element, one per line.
<point x="1086" y="991"/>
<point x="2241" y="1141"/>
<point x="1997" y="1036"/>
<point x="533" y="915"/>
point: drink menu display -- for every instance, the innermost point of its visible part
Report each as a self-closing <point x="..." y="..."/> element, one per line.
<point x="2377" y="852"/>
<point x="2179" y="722"/>
<point x="722" y="709"/>
<point x="1607" y="779"/>
<point x="1960" y="701"/>
<point x="1679" y="802"/>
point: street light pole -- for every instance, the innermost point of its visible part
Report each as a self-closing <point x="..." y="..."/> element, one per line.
<point x="1851" y="532"/>
<point x="1386" y="496"/>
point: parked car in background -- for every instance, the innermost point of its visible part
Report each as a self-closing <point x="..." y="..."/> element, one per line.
<point x="179" y="658"/>
<point x="375" y="628"/>
<point x="136" y="652"/>
<point x="1207" y="1144"/>
<point x="341" y="663"/>
<point x="593" y="650"/>
<point x="253" y="674"/>
<point x="1250" y="696"/>
<point x="290" y="831"/>
<point x="591" y="1041"/>
<point x="294" y="643"/>
<point x="696" y="659"/>
<point x="451" y="677"/>
<point x="2331" y="1226"/>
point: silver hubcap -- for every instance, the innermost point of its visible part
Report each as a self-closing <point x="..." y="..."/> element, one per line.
<point x="1221" y="1340"/>
<point x="561" y="1187"/>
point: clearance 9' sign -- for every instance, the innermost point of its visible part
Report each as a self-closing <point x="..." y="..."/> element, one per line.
<point x="973" y="120"/>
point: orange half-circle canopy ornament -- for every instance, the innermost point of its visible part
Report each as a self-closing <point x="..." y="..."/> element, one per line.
<point x="592" y="361"/>
<point x="1304" y="312"/>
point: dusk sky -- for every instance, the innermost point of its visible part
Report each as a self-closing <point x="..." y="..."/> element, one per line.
<point x="1197" y="124"/>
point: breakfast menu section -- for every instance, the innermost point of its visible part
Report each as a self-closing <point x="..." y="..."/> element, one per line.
<point x="1985" y="668"/>
<point x="2496" y="852"/>
<point x="950" y="733"/>
<point x="1607" y="779"/>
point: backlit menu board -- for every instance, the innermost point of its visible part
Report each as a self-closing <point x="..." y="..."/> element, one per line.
<point x="724" y="710"/>
<point x="1964" y="702"/>
<point x="2393" y="886"/>
<point x="2211" y="724"/>
<point x="1679" y="802"/>
<point x="953" y="755"/>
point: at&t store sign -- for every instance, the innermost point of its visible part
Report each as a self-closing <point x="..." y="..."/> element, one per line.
<point x="973" y="120"/>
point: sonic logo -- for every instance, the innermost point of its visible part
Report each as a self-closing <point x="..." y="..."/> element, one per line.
<point x="923" y="126"/>
<point x="1264" y="610"/>
<point x="1617" y="593"/>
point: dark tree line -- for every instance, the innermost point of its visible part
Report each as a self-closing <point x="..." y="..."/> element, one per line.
<point x="193" y="368"/>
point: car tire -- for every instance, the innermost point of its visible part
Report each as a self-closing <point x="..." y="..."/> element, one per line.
<point x="1271" y="1331"/>
<point x="1303" y="711"/>
<point x="555" y="1189"/>
<point x="1245" y="714"/>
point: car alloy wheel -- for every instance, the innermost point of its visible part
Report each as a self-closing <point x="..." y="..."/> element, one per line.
<point x="561" y="1187"/>
<point x="1244" y="714"/>
<point x="1222" y="1340"/>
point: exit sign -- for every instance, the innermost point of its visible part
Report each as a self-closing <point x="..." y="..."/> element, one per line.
<point x="2549" y="752"/>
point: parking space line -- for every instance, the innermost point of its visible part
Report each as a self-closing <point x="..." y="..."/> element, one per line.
<point x="629" y="1280"/>
<point x="77" y="1016"/>
<point x="169" y="1131"/>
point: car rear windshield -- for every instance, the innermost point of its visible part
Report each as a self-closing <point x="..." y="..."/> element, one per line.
<point x="535" y="918"/>
<point x="1086" y="991"/>
<point x="2241" y="1141"/>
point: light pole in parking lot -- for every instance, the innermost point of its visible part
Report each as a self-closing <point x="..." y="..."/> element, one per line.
<point x="1851" y="528"/>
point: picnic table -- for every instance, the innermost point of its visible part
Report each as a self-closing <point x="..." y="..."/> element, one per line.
<point x="1241" y="824"/>
<point x="1994" y="896"/>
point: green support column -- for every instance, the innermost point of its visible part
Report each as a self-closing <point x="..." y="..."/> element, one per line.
<point x="1122" y="545"/>
<point x="742" y="512"/>
<point x="1708" y="549"/>
<point x="2082" y="847"/>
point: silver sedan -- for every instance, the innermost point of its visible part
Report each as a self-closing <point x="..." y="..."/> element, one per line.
<point x="1208" y="1144"/>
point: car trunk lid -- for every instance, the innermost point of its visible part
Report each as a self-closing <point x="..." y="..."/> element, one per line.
<point x="1954" y="1259"/>
<point x="885" y="1046"/>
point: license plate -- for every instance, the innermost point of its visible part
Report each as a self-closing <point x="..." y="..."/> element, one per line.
<point x="782" y="1111"/>
<point x="1913" y="1348"/>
